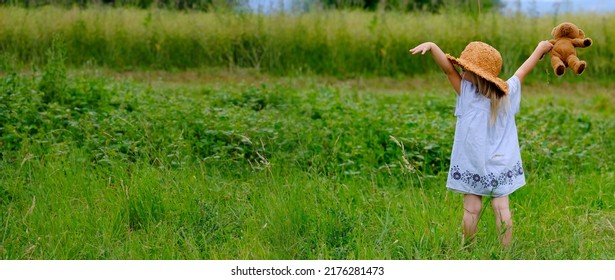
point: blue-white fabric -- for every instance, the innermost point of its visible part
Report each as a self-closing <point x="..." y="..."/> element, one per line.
<point x="486" y="159"/>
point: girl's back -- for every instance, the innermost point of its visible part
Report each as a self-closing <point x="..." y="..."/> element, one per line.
<point x="486" y="159"/>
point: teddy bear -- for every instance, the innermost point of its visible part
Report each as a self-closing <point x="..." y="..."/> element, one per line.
<point x="567" y="37"/>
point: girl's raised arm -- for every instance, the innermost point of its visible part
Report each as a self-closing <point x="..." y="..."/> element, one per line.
<point x="453" y="76"/>
<point x="527" y="66"/>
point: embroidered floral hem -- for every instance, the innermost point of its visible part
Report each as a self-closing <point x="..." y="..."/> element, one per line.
<point x="489" y="181"/>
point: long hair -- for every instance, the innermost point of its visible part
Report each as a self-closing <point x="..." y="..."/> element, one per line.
<point x="486" y="88"/>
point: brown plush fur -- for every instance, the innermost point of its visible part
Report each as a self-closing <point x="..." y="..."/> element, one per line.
<point x="567" y="37"/>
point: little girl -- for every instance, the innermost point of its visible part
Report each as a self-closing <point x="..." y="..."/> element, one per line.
<point x="486" y="160"/>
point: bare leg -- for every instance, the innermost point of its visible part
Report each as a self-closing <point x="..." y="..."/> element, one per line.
<point x="472" y="205"/>
<point x="503" y="217"/>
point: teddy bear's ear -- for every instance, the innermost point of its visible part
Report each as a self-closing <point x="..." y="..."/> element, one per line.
<point x="553" y="32"/>
<point x="581" y="34"/>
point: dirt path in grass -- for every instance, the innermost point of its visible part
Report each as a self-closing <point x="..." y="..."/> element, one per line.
<point x="247" y="76"/>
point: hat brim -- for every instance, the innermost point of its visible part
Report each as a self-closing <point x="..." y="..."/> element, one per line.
<point x="501" y="84"/>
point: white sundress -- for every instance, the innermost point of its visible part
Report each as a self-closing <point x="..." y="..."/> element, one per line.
<point x="486" y="159"/>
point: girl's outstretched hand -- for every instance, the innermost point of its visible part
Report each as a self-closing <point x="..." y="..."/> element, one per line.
<point x="440" y="58"/>
<point x="544" y="47"/>
<point x="525" y="68"/>
<point x="422" y="48"/>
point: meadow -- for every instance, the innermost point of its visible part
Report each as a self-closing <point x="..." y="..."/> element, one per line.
<point x="120" y="157"/>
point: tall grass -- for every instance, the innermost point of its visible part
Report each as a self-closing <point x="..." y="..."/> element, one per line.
<point x="339" y="43"/>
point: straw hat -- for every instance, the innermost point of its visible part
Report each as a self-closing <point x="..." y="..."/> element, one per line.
<point x="482" y="60"/>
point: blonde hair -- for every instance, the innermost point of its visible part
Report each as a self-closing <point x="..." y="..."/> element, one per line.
<point x="488" y="89"/>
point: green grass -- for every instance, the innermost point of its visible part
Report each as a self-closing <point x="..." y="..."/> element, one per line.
<point x="338" y="43"/>
<point x="148" y="213"/>
<point x="299" y="168"/>
<point x="142" y="212"/>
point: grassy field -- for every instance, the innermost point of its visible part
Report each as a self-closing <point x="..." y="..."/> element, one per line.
<point x="163" y="161"/>
<point x="152" y="165"/>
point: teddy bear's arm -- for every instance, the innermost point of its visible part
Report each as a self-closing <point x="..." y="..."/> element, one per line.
<point x="582" y="42"/>
<point x="552" y="41"/>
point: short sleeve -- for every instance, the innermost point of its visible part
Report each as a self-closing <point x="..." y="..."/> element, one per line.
<point x="464" y="98"/>
<point x="514" y="93"/>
